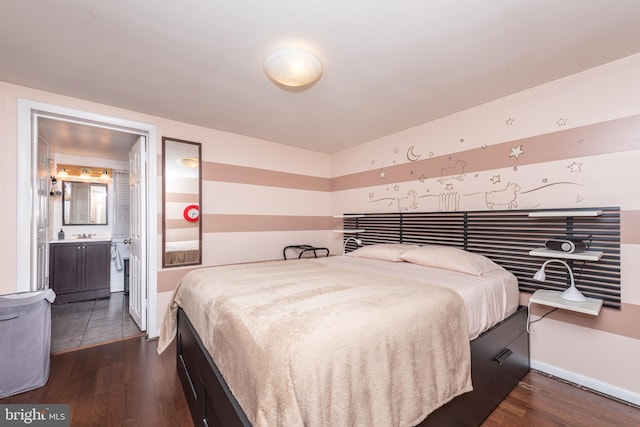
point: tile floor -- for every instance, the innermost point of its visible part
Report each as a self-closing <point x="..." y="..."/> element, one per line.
<point x="84" y="323"/>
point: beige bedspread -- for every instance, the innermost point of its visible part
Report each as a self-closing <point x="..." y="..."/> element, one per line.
<point x="301" y="343"/>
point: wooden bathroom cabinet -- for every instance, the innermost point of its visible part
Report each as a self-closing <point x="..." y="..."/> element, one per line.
<point x="80" y="271"/>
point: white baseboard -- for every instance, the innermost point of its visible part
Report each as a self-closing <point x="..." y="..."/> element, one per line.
<point x="590" y="383"/>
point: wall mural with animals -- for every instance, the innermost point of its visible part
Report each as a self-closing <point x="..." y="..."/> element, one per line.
<point x="505" y="175"/>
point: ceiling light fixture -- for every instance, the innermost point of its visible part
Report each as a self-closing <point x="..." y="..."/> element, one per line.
<point x="189" y="162"/>
<point x="292" y="67"/>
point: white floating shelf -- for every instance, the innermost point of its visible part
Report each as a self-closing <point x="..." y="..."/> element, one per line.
<point x="585" y="256"/>
<point x="561" y="214"/>
<point x="552" y="299"/>
<point x="349" y="231"/>
<point x="349" y="216"/>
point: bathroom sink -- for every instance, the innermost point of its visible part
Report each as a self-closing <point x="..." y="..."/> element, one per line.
<point x="93" y="239"/>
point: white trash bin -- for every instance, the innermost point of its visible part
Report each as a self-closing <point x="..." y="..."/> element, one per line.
<point x="25" y="341"/>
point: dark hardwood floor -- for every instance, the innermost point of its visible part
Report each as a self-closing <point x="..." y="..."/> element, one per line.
<point x="127" y="384"/>
<point x="123" y="383"/>
<point x="539" y="400"/>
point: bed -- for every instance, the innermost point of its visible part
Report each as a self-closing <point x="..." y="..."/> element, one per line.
<point x="183" y="252"/>
<point x="391" y="335"/>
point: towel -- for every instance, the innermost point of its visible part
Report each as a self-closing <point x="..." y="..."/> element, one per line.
<point x="115" y="255"/>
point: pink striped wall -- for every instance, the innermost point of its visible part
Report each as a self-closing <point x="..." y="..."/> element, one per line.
<point x="574" y="142"/>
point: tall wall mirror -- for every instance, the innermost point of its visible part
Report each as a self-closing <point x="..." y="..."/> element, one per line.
<point x="84" y="203"/>
<point x="181" y="197"/>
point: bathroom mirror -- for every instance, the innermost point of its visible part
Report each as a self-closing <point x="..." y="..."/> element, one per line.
<point x="181" y="196"/>
<point x="84" y="203"/>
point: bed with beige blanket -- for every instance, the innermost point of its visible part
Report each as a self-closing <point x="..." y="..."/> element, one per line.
<point x="349" y="341"/>
<point x="182" y="253"/>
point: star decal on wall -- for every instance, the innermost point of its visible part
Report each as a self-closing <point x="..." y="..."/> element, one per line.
<point x="382" y="174"/>
<point x="449" y="187"/>
<point x="516" y="152"/>
<point x="509" y="121"/>
<point x="575" y="167"/>
<point x="371" y="195"/>
<point x="561" y="122"/>
<point x="495" y="179"/>
<point x="396" y="187"/>
<point x="422" y="178"/>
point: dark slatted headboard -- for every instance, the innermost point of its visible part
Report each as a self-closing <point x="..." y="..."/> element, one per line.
<point x="507" y="237"/>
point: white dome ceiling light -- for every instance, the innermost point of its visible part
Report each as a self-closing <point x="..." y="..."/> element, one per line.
<point x="293" y="68"/>
<point x="188" y="162"/>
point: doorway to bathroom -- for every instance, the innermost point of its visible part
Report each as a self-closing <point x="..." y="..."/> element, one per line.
<point x="81" y="138"/>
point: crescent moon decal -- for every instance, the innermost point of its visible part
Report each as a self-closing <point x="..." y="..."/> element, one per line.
<point x="411" y="156"/>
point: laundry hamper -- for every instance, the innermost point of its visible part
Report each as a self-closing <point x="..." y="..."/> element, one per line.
<point x="25" y="341"/>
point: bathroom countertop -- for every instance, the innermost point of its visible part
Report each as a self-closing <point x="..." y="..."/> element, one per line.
<point x="93" y="239"/>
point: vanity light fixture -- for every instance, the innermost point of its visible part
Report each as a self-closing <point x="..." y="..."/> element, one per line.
<point x="294" y="68"/>
<point x="85" y="174"/>
<point x="572" y="293"/>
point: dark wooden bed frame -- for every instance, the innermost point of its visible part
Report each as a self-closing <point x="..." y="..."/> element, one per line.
<point x="499" y="359"/>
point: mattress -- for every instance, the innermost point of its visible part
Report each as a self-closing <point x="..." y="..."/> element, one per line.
<point x="488" y="298"/>
<point x="185" y="245"/>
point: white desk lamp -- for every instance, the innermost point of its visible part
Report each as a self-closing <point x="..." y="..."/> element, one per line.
<point x="344" y="247"/>
<point x="572" y="293"/>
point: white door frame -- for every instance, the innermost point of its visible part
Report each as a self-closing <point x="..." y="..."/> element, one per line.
<point x="24" y="202"/>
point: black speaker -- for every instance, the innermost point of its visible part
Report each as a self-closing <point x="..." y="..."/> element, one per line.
<point x="566" y="244"/>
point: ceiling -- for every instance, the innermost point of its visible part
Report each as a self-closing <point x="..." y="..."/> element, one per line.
<point x="85" y="140"/>
<point x="388" y="65"/>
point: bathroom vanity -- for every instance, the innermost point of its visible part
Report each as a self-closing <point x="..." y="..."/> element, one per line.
<point x="80" y="269"/>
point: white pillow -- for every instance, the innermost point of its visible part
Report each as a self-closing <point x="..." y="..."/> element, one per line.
<point x="384" y="251"/>
<point x="450" y="258"/>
